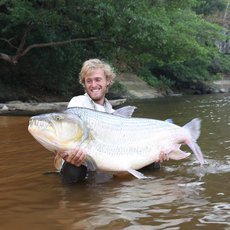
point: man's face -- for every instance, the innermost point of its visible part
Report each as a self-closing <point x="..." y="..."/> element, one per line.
<point x="96" y="85"/>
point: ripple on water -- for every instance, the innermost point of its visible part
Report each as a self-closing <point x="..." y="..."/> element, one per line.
<point x="218" y="213"/>
<point x="183" y="195"/>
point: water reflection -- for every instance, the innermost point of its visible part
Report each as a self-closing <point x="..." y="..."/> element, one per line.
<point x="218" y="214"/>
<point x="181" y="195"/>
<point x="135" y="201"/>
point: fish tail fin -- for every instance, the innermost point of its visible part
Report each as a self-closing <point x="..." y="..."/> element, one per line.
<point x="193" y="127"/>
<point x="197" y="151"/>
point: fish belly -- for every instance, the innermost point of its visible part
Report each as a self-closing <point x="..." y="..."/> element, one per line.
<point x="117" y="144"/>
<point x="134" y="153"/>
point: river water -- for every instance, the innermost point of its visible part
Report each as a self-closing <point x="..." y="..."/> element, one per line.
<point x="181" y="195"/>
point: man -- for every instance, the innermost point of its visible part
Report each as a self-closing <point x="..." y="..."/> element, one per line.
<point x="96" y="76"/>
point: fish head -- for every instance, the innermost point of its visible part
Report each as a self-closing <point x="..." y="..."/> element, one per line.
<point x="57" y="131"/>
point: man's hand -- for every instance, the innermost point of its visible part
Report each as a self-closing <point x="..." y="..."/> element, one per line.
<point x="76" y="156"/>
<point x="163" y="157"/>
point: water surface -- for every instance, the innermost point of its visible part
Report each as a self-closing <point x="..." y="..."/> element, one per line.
<point x="181" y="195"/>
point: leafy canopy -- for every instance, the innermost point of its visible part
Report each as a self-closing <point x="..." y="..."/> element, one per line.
<point x="165" y="38"/>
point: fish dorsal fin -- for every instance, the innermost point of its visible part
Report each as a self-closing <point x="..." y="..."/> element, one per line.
<point x="169" y="120"/>
<point x="126" y="111"/>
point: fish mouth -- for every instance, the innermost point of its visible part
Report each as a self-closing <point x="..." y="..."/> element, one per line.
<point x="57" y="130"/>
<point x="43" y="130"/>
<point x="38" y="124"/>
<point x="43" y="122"/>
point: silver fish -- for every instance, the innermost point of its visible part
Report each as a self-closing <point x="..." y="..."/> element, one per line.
<point x="114" y="143"/>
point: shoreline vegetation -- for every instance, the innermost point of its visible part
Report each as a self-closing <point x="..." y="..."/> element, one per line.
<point x="135" y="89"/>
<point x="157" y="48"/>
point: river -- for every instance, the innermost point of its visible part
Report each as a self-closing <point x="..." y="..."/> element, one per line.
<point x="181" y="195"/>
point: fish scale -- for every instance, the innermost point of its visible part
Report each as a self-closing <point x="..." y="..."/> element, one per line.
<point x="115" y="143"/>
<point x="113" y="126"/>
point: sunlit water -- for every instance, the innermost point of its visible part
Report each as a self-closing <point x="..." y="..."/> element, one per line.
<point x="181" y="195"/>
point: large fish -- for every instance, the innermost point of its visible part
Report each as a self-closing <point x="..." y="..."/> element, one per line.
<point x="114" y="143"/>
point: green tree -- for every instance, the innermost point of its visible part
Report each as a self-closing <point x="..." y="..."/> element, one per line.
<point x="43" y="43"/>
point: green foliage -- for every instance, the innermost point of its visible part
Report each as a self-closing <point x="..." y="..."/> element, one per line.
<point x="160" y="82"/>
<point x="163" y="40"/>
<point x="220" y="64"/>
<point x="117" y="89"/>
<point x="207" y="7"/>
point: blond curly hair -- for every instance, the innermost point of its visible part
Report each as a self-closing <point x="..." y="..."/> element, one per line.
<point x="92" y="64"/>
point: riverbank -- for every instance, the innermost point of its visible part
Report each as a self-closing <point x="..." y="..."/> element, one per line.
<point x="136" y="89"/>
<point x="32" y="108"/>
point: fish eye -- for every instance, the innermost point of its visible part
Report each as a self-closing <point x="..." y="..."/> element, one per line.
<point x="58" y="118"/>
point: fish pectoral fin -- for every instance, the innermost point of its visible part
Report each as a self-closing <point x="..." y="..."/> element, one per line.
<point x="178" y="154"/>
<point x="136" y="174"/>
<point x="90" y="163"/>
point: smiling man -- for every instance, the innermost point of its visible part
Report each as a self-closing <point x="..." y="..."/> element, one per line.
<point x="96" y="76"/>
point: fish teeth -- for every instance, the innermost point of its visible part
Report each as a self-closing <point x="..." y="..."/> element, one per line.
<point x="39" y="124"/>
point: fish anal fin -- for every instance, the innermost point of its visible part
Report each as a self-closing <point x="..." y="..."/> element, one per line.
<point x="178" y="154"/>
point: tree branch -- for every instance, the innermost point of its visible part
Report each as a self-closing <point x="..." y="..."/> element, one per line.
<point x="9" y="42"/>
<point x="14" y="59"/>
<point x="5" y="57"/>
<point x="23" y="40"/>
<point x="42" y="45"/>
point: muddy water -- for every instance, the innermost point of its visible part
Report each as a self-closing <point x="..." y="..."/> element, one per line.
<point x="181" y="195"/>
